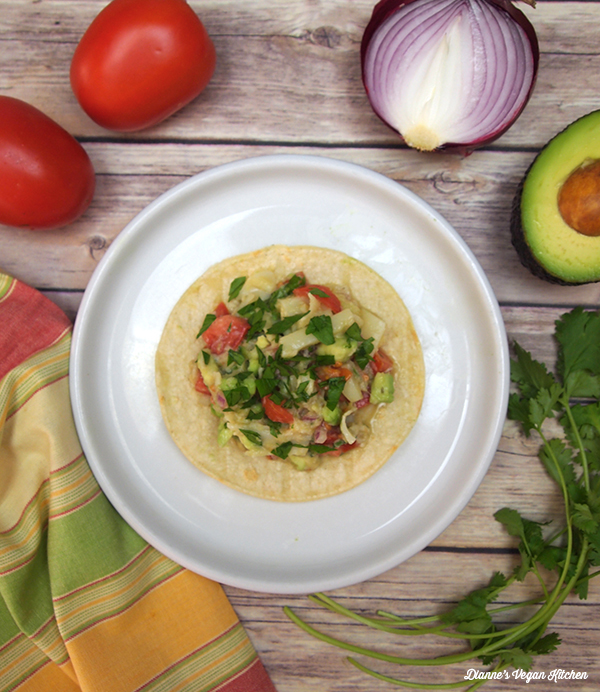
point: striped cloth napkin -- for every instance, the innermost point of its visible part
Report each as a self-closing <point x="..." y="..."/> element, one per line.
<point x="86" y="604"/>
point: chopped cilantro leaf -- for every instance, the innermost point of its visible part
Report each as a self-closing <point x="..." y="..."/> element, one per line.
<point x="322" y="328"/>
<point x="236" y="287"/>
<point x="266" y="385"/>
<point x="353" y="332"/>
<point x="335" y="386"/>
<point x="281" y="326"/>
<point x="208" y="320"/>
<point x="363" y="353"/>
<point x="320" y="449"/>
<point x="282" y="451"/>
<point x="253" y="436"/>
<point x="235" y="357"/>
<point x="319" y="292"/>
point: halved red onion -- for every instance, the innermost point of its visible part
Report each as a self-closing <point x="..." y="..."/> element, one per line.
<point x="449" y="73"/>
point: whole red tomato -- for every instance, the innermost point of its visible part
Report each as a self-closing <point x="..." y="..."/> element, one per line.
<point x="140" y="61"/>
<point x="46" y="177"/>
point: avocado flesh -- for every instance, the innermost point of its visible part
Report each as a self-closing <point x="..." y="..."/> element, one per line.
<point x="547" y="246"/>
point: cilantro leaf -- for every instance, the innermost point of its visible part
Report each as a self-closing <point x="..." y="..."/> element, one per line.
<point x="235" y="357"/>
<point x="335" y="387"/>
<point x="578" y="335"/>
<point x="281" y="326"/>
<point x="320" y="449"/>
<point x="283" y="450"/>
<point x="353" y="332"/>
<point x="236" y="287"/>
<point x="362" y="355"/>
<point x="546" y="644"/>
<point x="286" y="289"/>
<point x="253" y="436"/>
<point x="322" y="327"/>
<point x="530" y="374"/>
<point x="208" y="320"/>
<point x="319" y="292"/>
<point x="585" y="519"/>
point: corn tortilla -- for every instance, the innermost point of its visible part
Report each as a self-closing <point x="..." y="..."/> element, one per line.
<point x="193" y="426"/>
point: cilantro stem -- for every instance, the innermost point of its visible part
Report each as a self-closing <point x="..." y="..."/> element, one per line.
<point x="437" y="661"/>
<point x="417" y="685"/>
<point x="381" y="624"/>
<point x="410" y="622"/>
<point x="584" y="462"/>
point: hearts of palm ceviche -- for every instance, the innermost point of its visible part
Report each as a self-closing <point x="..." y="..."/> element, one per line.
<point x="290" y="373"/>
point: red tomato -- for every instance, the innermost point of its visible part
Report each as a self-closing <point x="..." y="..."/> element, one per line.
<point x="382" y="362"/>
<point x="221" y="310"/>
<point x="201" y="385"/>
<point x="330" y="301"/>
<point x="326" y="372"/>
<point x="275" y="412"/>
<point x="140" y="61"/>
<point x="46" y="177"/>
<point x="333" y="436"/>
<point x="227" y="331"/>
<point x="340" y="450"/>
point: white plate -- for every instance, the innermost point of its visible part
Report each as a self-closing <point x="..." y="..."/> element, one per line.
<point x="258" y="544"/>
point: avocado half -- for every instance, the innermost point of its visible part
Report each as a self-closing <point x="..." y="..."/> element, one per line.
<point x="546" y="244"/>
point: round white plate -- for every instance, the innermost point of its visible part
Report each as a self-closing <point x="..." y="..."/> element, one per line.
<point x="259" y="544"/>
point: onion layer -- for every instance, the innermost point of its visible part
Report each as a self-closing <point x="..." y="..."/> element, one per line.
<point x="449" y="73"/>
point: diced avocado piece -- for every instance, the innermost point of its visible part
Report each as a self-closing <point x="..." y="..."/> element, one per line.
<point x="224" y="434"/>
<point x="341" y="349"/>
<point x="228" y="383"/>
<point x="250" y="384"/>
<point x="555" y="223"/>
<point x="332" y="417"/>
<point x="382" y="388"/>
<point x="253" y="364"/>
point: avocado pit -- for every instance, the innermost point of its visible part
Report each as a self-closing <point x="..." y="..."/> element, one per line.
<point x="579" y="199"/>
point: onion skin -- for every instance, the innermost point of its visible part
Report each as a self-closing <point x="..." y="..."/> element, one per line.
<point x="386" y="8"/>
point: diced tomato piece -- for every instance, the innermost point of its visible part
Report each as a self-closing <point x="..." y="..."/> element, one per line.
<point x="382" y="362"/>
<point x="276" y="412"/>
<point x="330" y="300"/>
<point x="201" y="384"/>
<point x="341" y="449"/>
<point x="333" y="434"/>
<point x="221" y="310"/>
<point x="326" y="372"/>
<point x="226" y="332"/>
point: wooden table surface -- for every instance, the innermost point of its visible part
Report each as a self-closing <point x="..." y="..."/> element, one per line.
<point x="288" y="81"/>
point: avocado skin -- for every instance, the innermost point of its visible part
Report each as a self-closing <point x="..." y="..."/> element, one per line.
<point x="519" y="242"/>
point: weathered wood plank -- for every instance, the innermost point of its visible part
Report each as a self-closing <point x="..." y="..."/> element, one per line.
<point x="474" y="194"/>
<point x="298" y="662"/>
<point x="277" y="68"/>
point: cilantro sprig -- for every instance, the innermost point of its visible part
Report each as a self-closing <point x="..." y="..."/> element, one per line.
<point x="570" y="553"/>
